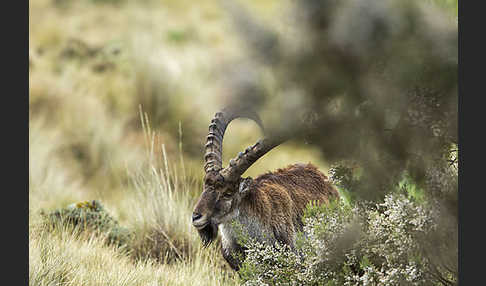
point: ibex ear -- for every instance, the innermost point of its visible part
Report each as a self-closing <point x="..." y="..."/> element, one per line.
<point x="244" y="188"/>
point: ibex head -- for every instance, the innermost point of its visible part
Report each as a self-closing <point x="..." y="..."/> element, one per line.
<point x="224" y="188"/>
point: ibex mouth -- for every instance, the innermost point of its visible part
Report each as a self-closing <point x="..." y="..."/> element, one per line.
<point x="200" y="221"/>
<point x="200" y="225"/>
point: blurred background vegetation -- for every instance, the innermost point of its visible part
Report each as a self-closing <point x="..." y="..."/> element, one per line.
<point x="121" y="93"/>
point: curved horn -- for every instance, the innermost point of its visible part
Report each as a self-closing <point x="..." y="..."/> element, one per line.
<point x="214" y="142"/>
<point x="243" y="161"/>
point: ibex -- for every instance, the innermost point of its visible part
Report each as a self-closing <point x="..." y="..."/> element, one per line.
<point x="269" y="207"/>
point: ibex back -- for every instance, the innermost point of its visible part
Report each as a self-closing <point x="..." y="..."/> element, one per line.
<point x="269" y="208"/>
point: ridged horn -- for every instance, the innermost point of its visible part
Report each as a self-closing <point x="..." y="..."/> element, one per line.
<point x="214" y="141"/>
<point x="244" y="160"/>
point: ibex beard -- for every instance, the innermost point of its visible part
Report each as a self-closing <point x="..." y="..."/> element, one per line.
<point x="269" y="208"/>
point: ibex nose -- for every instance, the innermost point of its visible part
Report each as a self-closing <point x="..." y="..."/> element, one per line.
<point x="196" y="216"/>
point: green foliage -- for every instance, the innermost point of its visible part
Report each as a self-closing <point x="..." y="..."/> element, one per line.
<point x="411" y="189"/>
<point x="346" y="179"/>
<point x="314" y="208"/>
<point x="274" y="265"/>
<point x="369" y="244"/>
<point x="92" y="217"/>
<point x="241" y="234"/>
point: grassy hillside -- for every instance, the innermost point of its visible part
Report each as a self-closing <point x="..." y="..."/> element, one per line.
<point x="120" y="96"/>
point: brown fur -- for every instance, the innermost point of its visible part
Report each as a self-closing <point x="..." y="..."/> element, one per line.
<point x="279" y="198"/>
<point x="272" y="203"/>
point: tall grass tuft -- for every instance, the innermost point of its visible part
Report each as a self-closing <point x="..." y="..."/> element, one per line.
<point x="161" y="205"/>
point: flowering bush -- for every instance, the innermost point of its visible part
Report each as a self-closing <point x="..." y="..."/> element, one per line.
<point x="366" y="244"/>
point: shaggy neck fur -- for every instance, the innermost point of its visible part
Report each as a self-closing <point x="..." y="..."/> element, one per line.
<point x="273" y="208"/>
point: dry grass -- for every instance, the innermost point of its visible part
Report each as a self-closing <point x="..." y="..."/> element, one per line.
<point x="62" y="258"/>
<point x="156" y="207"/>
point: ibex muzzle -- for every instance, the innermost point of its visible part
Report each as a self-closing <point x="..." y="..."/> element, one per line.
<point x="268" y="207"/>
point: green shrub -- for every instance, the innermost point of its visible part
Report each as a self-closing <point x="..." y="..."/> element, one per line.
<point x="90" y="216"/>
<point x="368" y="244"/>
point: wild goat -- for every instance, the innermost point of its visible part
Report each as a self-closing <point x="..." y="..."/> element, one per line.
<point x="269" y="207"/>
